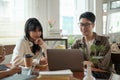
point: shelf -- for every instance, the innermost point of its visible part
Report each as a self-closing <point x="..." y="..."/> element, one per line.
<point x="65" y="39"/>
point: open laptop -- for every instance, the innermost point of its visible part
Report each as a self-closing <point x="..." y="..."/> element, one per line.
<point x="60" y="59"/>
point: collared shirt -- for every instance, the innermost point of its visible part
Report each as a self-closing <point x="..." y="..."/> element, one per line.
<point x="103" y="63"/>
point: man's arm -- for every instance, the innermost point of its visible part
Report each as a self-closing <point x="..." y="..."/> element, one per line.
<point x="105" y="62"/>
<point x="76" y="44"/>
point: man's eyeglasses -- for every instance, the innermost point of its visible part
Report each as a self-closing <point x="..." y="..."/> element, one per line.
<point x="85" y="24"/>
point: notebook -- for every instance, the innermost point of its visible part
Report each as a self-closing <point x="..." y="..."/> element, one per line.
<point x="60" y="59"/>
<point x="55" y="75"/>
<point x="20" y="77"/>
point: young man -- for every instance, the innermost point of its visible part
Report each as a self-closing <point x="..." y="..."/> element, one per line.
<point x="87" y="24"/>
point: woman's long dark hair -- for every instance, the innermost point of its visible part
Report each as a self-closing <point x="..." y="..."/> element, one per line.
<point x="31" y="25"/>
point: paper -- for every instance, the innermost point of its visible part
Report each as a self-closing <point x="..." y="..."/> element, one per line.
<point x="20" y="77"/>
<point x="56" y="73"/>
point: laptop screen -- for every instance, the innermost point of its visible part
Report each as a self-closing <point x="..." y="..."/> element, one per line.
<point x="60" y="59"/>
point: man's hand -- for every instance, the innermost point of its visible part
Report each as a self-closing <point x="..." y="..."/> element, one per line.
<point x="88" y="62"/>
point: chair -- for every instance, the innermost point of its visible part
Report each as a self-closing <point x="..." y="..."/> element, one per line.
<point x="1" y="49"/>
<point x="114" y="76"/>
<point x="9" y="51"/>
<point x="115" y="57"/>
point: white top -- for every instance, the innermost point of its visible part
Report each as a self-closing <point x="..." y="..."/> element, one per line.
<point x="23" y="47"/>
<point x="89" y="43"/>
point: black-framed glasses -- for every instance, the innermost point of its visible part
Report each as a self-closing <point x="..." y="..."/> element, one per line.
<point x="84" y="24"/>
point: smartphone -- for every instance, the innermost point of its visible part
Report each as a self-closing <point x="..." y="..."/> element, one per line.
<point x="3" y="67"/>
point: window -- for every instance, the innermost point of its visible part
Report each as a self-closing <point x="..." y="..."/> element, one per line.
<point x="11" y="18"/>
<point x="114" y="22"/>
<point x="67" y="24"/>
<point x="111" y="17"/>
<point x="70" y="11"/>
<point x="115" y="4"/>
<point x="4" y="8"/>
<point x="104" y="17"/>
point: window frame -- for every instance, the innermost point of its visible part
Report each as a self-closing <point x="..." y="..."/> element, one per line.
<point x="75" y="18"/>
<point x="109" y="12"/>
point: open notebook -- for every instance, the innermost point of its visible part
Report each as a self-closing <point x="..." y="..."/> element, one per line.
<point x="19" y="77"/>
<point x="56" y="73"/>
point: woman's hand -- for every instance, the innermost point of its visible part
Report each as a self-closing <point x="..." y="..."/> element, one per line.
<point x="39" y="41"/>
<point x="43" y="61"/>
<point x="14" y="70"/>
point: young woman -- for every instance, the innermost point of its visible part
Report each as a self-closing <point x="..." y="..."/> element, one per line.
<point x="87" y="24"/>
<point x="31" y="43"/>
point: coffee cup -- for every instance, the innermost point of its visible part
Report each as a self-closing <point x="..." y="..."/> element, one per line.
<point x="28" y="60"/>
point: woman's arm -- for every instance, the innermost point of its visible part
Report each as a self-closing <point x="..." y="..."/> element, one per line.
<point x="42" y="44"/>
<point x="44" y="55"/>
<point x="44" y="47"/>
<point x="18" y="53"/>
<point x="9" y="72"/>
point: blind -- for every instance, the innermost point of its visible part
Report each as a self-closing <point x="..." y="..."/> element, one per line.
<point x="13" y="15"/>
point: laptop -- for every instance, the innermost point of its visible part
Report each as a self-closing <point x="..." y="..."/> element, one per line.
<point x="60" y="59"/>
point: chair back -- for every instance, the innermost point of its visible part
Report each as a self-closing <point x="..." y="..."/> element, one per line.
<point x="114" y="76"/>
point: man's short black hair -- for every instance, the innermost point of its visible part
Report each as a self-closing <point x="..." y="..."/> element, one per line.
<point x="88" y="15"/>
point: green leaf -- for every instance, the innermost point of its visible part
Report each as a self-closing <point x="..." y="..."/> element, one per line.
<point x="93" y="48"/>
<point x="71" y="39"/>
<point x="93" y="60"/>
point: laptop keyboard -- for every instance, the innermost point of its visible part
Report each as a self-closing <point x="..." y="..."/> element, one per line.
<point x="101" y="75"/>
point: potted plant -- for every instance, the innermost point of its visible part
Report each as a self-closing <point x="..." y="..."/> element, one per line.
<point x="94" y="49"/>
<point x="71" y="40"/>
<point x="51" y="23"/>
